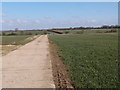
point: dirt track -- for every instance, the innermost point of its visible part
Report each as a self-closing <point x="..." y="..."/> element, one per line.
<point x="28" y="66"/>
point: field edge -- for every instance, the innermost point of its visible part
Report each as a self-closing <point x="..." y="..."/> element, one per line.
<point x="60" y="74"/>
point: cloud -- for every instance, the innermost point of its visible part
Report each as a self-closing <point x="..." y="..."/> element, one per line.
<point x="47" y="17"/>
<point x="37" y="21"/>
<point x="2" y="21"/>
<point x="91" y="21"/>
<point x="50" y="23"/>
<point x="20" y="21"/>
<point x="2" y="15"/>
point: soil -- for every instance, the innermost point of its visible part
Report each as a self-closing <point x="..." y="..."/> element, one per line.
<point x="60" y="75"/>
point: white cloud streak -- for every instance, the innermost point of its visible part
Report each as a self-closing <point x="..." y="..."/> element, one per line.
<point x="51" y="23"/>
<point x="60" y="0"/>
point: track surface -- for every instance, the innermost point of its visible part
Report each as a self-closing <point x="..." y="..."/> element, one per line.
<point x="28" y="66"/>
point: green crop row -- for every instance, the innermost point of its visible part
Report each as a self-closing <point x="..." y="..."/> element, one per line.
<point x="92" y="59"/>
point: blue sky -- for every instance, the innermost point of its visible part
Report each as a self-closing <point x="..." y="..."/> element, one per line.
<point x="38" y="15"/>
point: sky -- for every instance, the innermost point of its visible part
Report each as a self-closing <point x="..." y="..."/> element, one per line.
<point x="45" y="15"/>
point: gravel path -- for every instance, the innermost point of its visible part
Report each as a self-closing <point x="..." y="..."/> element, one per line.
<point x="28" y="66"/>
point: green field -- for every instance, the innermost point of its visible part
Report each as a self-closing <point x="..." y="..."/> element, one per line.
<point x="79" y="31"/>
<point x="34" y="32"/>
<point x="15" y="40"/>
<point x="91" y="59"/>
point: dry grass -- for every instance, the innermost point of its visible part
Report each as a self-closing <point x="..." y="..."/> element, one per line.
<point x="5" y="49"/>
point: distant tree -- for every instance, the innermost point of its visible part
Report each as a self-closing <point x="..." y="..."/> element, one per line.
<point x="12" y="33"/>
<point x="36" y="34"/>
<point x="16" y="29"/>
<point x="3" y="33"/>
<point x="70" y="28"/>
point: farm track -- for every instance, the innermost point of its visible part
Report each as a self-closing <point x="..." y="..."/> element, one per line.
<point x="29" y="66"/>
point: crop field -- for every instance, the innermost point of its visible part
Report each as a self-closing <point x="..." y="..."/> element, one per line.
<point x="23" y="32"/>
<point x="10" y="43"/>
<point x="14" y="40"/>
<point x="91" y="59"/>
<point x="79" y="31"/>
